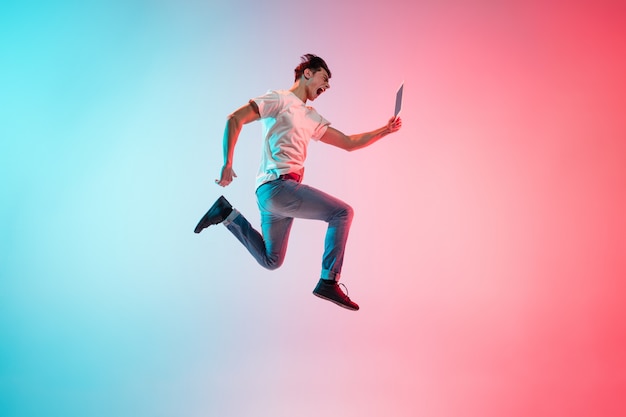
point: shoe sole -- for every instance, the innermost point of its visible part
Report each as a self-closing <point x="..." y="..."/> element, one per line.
<point x="205" y="222"/>
<point x="336" y="302"/>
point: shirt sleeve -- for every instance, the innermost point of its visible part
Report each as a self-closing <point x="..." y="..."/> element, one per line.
<point x="321" y="128"/>
<point x="268" y="104"/>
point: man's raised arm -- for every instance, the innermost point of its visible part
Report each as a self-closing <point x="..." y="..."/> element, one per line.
<point x="361" y="140"/>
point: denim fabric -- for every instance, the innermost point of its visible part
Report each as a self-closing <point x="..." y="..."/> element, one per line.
<point x="281" y="201"/>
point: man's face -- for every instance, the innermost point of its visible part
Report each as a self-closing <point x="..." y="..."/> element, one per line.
<point x="317" y="83"/>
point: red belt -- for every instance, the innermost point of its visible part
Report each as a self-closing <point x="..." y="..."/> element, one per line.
<point x="291" y="176"/>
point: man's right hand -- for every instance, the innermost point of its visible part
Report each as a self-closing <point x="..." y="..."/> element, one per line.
<point x="226" y="176"/>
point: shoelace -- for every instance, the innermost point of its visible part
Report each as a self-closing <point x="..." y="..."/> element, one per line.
<point x="345" y="290"/>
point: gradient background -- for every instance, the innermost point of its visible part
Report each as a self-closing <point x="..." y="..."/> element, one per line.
<point x="488" y="250"/>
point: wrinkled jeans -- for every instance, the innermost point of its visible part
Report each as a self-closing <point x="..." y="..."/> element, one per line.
<point x="281" y="201"/>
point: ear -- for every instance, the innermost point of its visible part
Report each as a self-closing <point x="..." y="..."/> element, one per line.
<point x="307" y="73"/>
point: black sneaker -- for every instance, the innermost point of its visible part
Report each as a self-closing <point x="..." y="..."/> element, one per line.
<point x="329" y="290"/>
<point x="216" y="214"/>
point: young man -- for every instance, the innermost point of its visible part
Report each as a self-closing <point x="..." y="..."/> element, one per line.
<point x="288" y="126"/>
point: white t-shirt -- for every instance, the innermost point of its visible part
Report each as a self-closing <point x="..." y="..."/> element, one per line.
<point x="288" y="126"/>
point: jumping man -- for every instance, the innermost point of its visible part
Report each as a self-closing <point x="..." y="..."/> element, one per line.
<point x="288" y="126"/>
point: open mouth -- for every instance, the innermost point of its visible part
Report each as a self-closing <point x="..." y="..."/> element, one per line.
<point x="320" y="90"/>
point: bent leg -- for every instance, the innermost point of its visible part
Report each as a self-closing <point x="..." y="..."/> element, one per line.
<point x="292" y="200"/>
<point x="270" y="251"/>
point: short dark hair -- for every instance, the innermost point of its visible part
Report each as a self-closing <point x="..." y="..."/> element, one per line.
<point x="313" y="62"/>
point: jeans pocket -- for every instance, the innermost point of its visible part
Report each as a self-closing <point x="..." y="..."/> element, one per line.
<point x="266" y="192"/>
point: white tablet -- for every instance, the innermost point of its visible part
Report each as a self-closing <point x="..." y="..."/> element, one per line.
<point x="399" y="100"/>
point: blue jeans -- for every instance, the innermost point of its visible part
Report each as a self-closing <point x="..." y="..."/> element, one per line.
<point x="281" y="201"/>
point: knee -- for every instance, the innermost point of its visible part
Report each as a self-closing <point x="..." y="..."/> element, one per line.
<point x="349" y="212"/>
<point x="342" y="215"/>
<point x="273" y="264"/>
<point x="346" y="213"/>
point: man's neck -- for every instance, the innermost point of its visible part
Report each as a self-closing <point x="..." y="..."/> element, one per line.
<point x="299" y="90"/>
